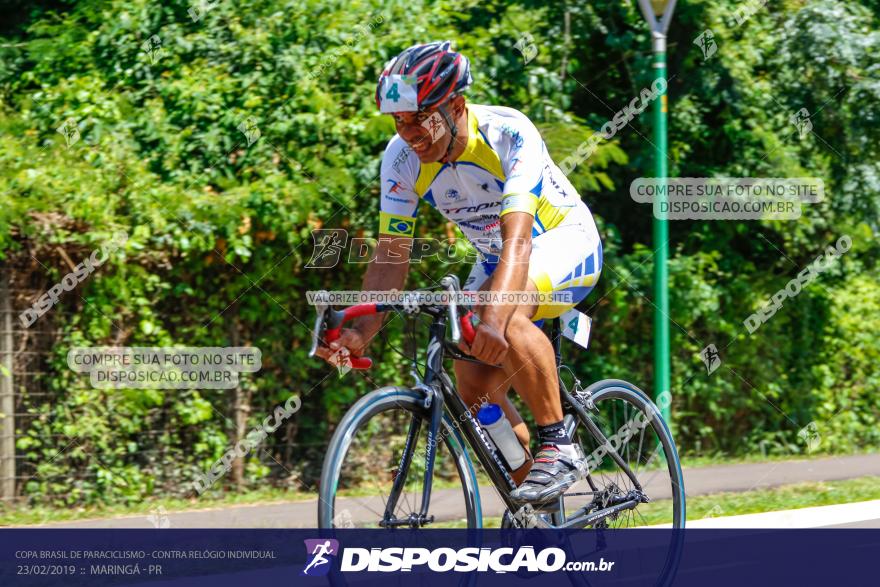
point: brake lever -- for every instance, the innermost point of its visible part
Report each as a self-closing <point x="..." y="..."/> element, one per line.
<point x="450" y="282"/>
<point x="461" y="325"/>
<point x="329" y="324"/>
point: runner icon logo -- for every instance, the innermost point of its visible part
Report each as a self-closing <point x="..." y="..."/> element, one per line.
<point x="321" y="552"/>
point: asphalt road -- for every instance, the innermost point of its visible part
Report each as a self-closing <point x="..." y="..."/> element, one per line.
<point x="863" y="524"/>
<point x="446" y="503"/>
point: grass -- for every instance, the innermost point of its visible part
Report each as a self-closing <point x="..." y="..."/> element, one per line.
<point x="23" y="514"/>
<point x="721" y="504"/>
<point x="18" y="514"/>
<point x="787" y="497"/>
<point x="693" y="461"/>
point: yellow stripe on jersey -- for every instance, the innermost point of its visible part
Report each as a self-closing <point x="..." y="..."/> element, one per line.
<point x="396" y="225"/>
<point x="544" y="285"/>
<point x="427" y="174"/>
<point x="586" y="281"/>
<point x="549" y="215"/>
<point x="479" y="152"/>
<point x="519" y="203"/>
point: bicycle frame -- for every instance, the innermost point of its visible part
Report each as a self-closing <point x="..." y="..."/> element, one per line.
<point x="441" y="393"/>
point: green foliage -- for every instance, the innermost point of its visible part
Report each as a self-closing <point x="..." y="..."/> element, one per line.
<point x="219" y="229"/>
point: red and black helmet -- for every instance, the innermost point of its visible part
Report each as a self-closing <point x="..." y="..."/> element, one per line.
<point x="422" y="76"/>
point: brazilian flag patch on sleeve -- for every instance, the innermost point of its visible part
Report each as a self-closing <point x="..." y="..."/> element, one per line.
<point x="396" y="225"/>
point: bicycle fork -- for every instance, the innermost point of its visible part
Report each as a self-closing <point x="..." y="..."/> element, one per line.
<point x="433" y="401"/>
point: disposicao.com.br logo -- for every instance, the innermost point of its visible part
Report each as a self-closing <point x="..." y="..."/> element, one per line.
<point x="441" y="560"/>
<point x="320" y="555"/>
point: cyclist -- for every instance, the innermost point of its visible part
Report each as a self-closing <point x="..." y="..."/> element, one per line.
<point x="486" y="169"/>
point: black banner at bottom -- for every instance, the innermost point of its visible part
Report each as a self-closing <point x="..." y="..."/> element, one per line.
<point x="216" y="558"/>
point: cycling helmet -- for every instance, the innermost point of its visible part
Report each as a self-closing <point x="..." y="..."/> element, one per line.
<point x="421" y="77"/>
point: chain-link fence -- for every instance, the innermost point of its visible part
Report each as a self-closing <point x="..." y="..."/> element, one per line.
<point x="23" y="363"/>
<point x="51" y="449"/>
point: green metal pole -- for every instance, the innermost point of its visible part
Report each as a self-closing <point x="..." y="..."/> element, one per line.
<point x="661" y="240"/>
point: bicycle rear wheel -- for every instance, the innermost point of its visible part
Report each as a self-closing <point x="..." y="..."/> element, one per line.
<point x="632" y="424"/>
<point x="373" y="474"/>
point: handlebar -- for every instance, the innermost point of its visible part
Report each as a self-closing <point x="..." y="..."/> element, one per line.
<point x="329" y="321"/>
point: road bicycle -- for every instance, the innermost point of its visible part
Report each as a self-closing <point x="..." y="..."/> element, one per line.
<point x="399" y="456"/>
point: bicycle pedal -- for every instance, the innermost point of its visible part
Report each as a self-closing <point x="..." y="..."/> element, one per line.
<point x="529" y="517"/>
<point x="525" y="517"/>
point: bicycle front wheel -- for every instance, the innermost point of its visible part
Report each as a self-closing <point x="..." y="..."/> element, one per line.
<point x="374" y="471"/>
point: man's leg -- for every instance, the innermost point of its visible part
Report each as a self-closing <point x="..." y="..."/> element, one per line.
<point x="531" y="367"/>
<point x="476" y="381"/>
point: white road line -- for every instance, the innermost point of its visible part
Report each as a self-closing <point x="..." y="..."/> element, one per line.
<point x="815" y="517"/>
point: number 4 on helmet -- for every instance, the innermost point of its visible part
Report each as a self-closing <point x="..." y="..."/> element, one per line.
<point x="398" y="94"/>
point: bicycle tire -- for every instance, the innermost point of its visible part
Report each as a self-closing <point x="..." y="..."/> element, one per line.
<point x="376" y="402"/>
<point x="620" y="389"/>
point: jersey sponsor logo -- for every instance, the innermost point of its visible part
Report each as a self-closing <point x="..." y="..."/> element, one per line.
<point x="453" y="195"/>
<point x="401" y="200"/>
<point x="401" y="159"/>
<point x="395" y="186"/>
<point x="513" y="134"/>
<point x="549" y="174"/>
<point x="471" y="209"/>
<point x="514" y="163"/>
<point x="480" y="227"/>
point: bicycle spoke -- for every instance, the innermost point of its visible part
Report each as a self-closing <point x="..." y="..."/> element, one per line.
<point x="615" y="415"/>
<point x="641" y="441"/>
<point x="372" y="467"/>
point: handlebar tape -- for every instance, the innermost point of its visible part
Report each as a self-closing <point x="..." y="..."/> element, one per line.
<point x="469" y="322"/>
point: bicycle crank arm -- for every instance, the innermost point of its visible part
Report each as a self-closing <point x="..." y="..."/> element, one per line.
<point x="581" y="521"/>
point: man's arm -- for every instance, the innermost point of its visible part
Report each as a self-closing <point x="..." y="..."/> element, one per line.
<point x="387" y="271"/>
<point x="389" y="267"/>
<point x="512" y="273"/>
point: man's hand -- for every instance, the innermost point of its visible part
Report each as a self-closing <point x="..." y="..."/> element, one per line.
<point x="489" y="345"/>
<point x="350" y="343"/>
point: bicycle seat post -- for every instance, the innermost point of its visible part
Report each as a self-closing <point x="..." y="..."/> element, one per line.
<point x="556" y="339"/>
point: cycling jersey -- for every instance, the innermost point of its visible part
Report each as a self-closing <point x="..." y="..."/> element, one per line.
<point x="504" y="168"/>
<point x="564" y="262"/>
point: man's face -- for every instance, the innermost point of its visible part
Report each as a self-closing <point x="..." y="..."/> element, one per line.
<point x="425" y="132"/>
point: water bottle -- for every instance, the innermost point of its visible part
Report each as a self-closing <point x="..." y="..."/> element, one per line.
<point x="493" y="421"/>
